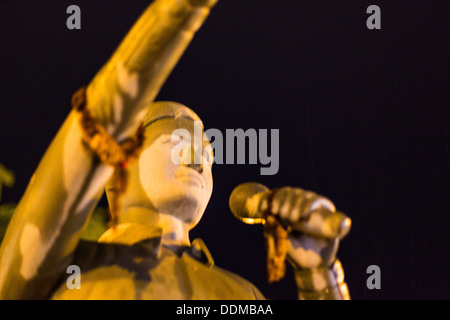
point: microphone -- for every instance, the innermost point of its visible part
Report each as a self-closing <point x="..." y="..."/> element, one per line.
<point x="249" y="201"/>
<point x="245" y="202"/>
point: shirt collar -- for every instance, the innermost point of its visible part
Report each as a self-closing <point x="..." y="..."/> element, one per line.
<point x="198" y="249"/>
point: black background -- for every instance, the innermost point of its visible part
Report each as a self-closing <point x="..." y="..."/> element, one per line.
<point x="363" y="118"/>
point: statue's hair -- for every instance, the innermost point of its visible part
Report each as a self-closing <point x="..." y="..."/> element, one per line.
<point x="168" y="110"/>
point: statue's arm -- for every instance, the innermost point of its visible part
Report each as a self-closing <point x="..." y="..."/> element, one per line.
<point x="70" y="179"/>
<point x="326" y="283"/>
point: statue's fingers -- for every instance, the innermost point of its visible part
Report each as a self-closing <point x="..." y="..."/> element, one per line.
<point x="307" y="251"/>
<point x="278" y="200"/>
<point x="287" y="203"/>
<point x="324" y="223"/>
<point x="314" y="202"/>
<point x="296" y="211"/>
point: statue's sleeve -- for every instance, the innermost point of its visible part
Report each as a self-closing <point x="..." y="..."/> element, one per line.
<point x="69" y="181"/>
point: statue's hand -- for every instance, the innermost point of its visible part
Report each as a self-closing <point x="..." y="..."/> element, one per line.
<point x="316" y="227"/>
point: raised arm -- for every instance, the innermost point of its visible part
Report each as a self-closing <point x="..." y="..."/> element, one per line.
<point x="70" y="178"/>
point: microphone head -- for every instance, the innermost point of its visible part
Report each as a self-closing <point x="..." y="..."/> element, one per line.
<point x="245" y="200"/>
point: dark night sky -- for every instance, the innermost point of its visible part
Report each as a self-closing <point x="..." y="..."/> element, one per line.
<point x="363" y="116"/>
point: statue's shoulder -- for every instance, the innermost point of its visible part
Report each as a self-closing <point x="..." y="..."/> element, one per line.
<point x="246" y="286"/>
<point x="149" y="271"/>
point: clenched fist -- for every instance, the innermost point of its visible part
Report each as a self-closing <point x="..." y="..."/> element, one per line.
<point x="315" y="229"/>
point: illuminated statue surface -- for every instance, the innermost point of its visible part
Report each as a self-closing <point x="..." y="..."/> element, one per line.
<point x="148" y="254"/>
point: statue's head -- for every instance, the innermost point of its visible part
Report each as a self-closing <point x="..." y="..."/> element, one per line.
<point x="173" y="173"/>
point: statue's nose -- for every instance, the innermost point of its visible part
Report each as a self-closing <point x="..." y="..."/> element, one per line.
<point x="192" y="159"/>
<point x="196" y="167"/>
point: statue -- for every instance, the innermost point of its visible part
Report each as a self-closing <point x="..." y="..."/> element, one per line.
<point x="117" y="138"/>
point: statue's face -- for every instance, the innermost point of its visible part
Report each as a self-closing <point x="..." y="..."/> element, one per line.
<point x="184" y="189"/>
